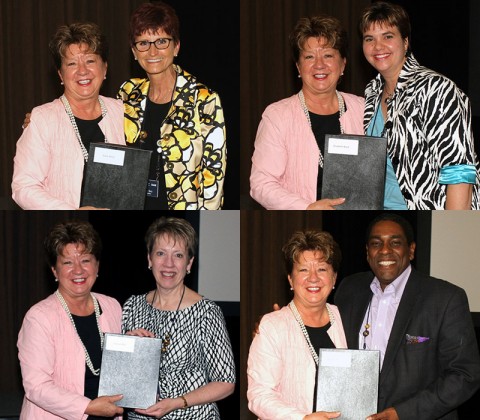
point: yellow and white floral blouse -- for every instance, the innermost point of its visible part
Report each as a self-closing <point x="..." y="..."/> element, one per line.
<point x="192" y="140"/>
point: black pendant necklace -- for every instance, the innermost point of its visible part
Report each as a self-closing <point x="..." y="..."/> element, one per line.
<point x="166" y="340"/>
<point x="366" y="333"/>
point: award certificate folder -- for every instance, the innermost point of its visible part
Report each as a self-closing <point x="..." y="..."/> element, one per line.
<point x="348" y="382"/>
<point x="130" y="366"/>
<point x="354" y="168"/>
<point x="116" y="177"/>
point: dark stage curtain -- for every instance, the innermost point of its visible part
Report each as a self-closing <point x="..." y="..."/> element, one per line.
<point x="26" y="279"/>
<point x="209" y="35"/>
<point x="263" y="278"/>
<point x="267" y="70"/>
<point x="269" y="74"/>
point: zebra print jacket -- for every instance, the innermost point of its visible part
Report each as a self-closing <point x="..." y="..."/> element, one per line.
<point x="428" y="128"/>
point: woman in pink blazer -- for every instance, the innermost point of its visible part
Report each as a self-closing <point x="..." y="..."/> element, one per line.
<point x="283" y="356"/>
<point x="287" y="164"/>
<point x="52" y="151"/>
<point x="61" y="338"/>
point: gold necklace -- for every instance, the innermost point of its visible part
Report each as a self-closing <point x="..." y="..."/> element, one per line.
<point x="96" y="372"/>
<point x="388" y="95"/>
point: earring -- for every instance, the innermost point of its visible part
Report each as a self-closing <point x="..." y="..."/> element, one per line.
<point x="291" y="288"/>
<point x="299" y="76"/>
<point x="104" y="77"/>
<point x="188" y="271"/>
<point x="61" y="83"/>
<point x="56" y="279"/>
<point x="149" y="267"/>
<point x="333" y="287"/>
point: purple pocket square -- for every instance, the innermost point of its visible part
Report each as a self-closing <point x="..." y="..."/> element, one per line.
<point x="414" y="339"/>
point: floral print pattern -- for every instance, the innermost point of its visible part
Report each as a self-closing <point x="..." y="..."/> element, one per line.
<point x="192" y="140"/>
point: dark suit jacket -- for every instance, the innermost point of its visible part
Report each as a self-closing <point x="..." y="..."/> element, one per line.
<point x="427" y="380"/>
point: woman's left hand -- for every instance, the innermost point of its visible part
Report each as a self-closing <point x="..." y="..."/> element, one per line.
<point x="162" y="408"/>
<point x="141" y="332"/>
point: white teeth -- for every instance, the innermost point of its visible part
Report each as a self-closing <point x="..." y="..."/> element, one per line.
<point x="386" y="263"/>
<point x="313" y="289"/>
<point x="84" y="82"/>
<point x="78" y="280"/>
<point x="168" y="274"/>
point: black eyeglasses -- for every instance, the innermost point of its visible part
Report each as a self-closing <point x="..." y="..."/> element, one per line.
<point x="160" y="44"/>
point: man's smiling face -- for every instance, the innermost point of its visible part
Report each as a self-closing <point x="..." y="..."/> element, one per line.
<point x="388" y="252"/>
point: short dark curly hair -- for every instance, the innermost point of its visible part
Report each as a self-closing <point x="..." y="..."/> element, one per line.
<point x="323" y="26"/>
<point x="72" y="232"/>
<point x="311" y="240"/>
<point x="78" y="33"/>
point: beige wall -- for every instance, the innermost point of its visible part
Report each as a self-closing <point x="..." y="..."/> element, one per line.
<point x="219" y="255"/>
<point x="455" y="251"/>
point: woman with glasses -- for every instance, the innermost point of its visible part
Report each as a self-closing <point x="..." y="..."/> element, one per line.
<point x="171" y="113"/>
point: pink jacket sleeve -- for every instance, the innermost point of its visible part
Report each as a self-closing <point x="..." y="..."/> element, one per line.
<point x="52" y="360"/>
<point x="285" y="160"/>
<point x="48" y="164"/>
<point x="281" y="369"/>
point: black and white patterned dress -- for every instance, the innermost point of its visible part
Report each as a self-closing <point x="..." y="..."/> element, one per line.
<point x="199" y="352"/>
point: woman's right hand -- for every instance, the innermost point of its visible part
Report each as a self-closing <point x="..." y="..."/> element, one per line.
<point x="26" y="121"/>
<point x="141" y="332"/>
<point x="323" y="415"/>
<point x="326" y="204"/>
<point x="105" y="406"/>
<point x="91" y="208"/>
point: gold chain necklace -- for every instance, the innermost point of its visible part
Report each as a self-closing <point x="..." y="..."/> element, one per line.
<point x="341" y="111"/>
<point x="96" y="372"/>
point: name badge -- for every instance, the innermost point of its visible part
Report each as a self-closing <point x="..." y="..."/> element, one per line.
<point x="152" y="188"/>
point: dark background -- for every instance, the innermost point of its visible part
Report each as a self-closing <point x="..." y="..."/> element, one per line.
<point x="209" y="38"/>
<point x="445" y="37"/>
<point x="26" y="279"/>
<point x="263" y="278"/>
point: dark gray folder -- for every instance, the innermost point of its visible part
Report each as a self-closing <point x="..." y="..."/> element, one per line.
<point x="116" y="177"/>
<point x="354" y="168"/>
<point x="130" y="366"/>
<point x="348" y="382"/>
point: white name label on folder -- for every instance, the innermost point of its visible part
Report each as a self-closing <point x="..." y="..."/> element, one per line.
<point x="120" y="343"/>
<point x="109" y="156"/>
<point x="337" y="359"/>
<point x="342" y="146"/>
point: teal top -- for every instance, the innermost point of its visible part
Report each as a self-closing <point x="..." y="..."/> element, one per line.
<point x="393" y="198"/>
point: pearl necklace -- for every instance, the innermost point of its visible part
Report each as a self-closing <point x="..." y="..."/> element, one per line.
<point x="96" y="372"/>
<point x="341" y="111"/>
<point x="68" y="109"/>
<point x="297" y="316"/>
